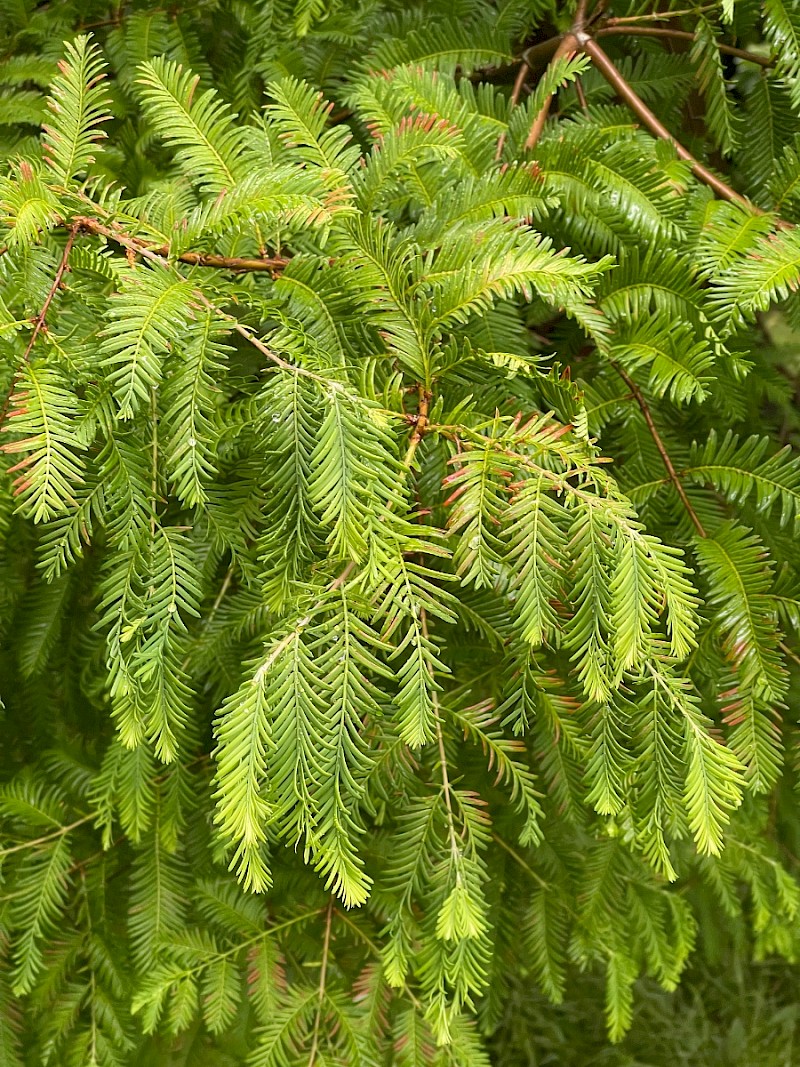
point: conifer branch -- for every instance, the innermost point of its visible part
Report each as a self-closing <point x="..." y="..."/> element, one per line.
<point x="237" y="264"/>
<point x="654" y="124"/>
<point x="375" y="949"/>
<point x="577" y="39"/>
<point x="323" y="976"/>
<point x="45" y="838"/>
<point x="262" y="935"/>
<point x="581" y="96"/>
<point x="567" y="46"/>
<point x="154" y="464"/>
<point x="662" y="451"/>
<point x="657" y="16"/>
<point x="420" y="424"/>
<point x="451" y="826"/>
<point x="516" y="93"/>
<point x="520" y="861"/>
<point x="40" y="322"/>
<point x="612" y="29"/>
<point x="221" y="594"/>
<point x="257" y="343"/>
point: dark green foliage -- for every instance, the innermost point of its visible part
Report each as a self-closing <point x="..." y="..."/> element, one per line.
<point x="399" y="524"/>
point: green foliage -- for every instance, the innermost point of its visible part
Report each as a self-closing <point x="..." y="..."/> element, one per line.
<point x="400" y="590"/>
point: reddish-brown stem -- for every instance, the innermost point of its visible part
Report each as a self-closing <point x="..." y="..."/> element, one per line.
<point x="197" y="259"/>
<point x="40" y="321"/>
<point x="665" y="458"/>
<point x="567" y="46"/>
<point x="420" y="424"/>
<point x="516" y="92"/>
<point x="654" y="124"/>
<point x="680" y="35"/>
<point x="581" y="95"/>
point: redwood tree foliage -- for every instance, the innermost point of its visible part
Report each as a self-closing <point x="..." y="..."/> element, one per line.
<point x="399" y="501"/>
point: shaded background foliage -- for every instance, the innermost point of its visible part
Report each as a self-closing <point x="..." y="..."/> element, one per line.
<point x="196" y="544"/>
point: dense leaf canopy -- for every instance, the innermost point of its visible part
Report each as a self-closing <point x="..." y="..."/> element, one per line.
<point x="399" y="503"/>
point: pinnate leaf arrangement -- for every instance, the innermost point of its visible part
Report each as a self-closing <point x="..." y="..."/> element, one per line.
<point x="399" y="521"/>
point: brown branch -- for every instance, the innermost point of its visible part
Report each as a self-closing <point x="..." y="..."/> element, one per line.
<point x="654" y="124"/>
<point x="139" y="246"/>
<point x="648" y="418"/>
<point x="680" y="35"/>
<point x="420" y="423"/>
<point x="39" y="324"/>
<point x="579" y="21"/>
<point x="40" y="320"/>
<point x="581" y="95"/>
<point x="659" y="16"/>
<point x="234" y="263"/>
<point x="567" y="46"/>
<point x="516" y="92"/>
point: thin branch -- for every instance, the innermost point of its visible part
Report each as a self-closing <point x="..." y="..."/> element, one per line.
<point x="544" y="885"/>
<point x="681" y="35"/>
<point x="221" y="594"/>
<point x="567" y="46"/>
<point x="659" y="16"/>
<point x="60" y="832"/>
<point x="648" y="418"/>
<point x="256" y="342"/>
<point x="323" y="976"/>
<point x="374" y="949"/>
<point x="154" y="464"/>
<point x="262" y="935"/>
<point x="518" y="859"/>
<point x="339" y="581"/>
<point x="516" y="92"/>
<point x="581" y="95"/>
<point x="446" y="787"/>
<point x="272" y="264"/>
<point x="654" y="124"/>
<point x="420" y="423"/>
<point x="40" y="322"/>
